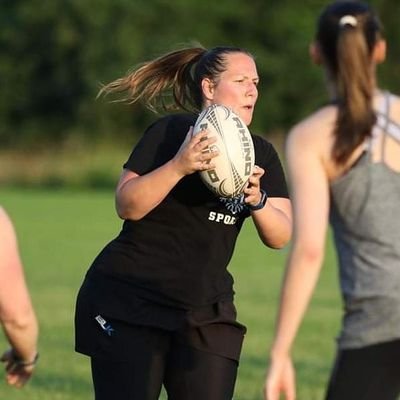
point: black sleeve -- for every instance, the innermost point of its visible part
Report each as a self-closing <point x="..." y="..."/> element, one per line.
<point x="273" y="180"/>
<point x="159" y="143"/>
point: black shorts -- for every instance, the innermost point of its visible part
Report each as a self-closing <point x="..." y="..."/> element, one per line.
<point x="367" y="373"/>
<point x="138" y="347"/>
<point x="212" y="329"/>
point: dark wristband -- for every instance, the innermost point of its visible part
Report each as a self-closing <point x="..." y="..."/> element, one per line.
<point x="262" y="202"/>
<point x="21" y="363"/>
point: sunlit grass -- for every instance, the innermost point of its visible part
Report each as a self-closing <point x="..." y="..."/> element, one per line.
<point x="61" y="231"/>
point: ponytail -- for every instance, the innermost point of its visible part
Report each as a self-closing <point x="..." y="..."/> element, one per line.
<point x="152" y="82"/>
<point x="347" y="34"/>
<point x="354" y="82"/>
<point x="177" y="74"/>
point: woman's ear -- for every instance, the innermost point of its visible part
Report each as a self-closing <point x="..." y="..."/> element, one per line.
<point x="315" y="53"/>
<point x="207" y="86"/>
<point x="379" y="52"/>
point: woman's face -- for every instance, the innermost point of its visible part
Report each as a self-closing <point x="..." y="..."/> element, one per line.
<point x="236" y="87"/>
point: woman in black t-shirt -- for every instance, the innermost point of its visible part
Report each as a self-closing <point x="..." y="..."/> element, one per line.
<point x="156" y="306"/>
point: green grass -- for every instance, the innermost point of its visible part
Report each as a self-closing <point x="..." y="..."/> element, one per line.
<point x="71" y="164"/>
<point x="60" y="232"/>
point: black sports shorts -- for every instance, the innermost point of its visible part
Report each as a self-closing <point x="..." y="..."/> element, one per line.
<point x="367" y="373"/>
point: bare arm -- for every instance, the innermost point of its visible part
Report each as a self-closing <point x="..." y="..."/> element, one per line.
<point x="138" y="195"/>
<point x="274" y="220"/>
<point x="310" y="194"/>
<point x="16" y="312"/>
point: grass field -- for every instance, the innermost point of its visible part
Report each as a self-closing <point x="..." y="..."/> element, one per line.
<point x="59" y="234"/>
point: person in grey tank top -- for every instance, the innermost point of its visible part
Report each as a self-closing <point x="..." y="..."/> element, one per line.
<point x="344" y="168"/>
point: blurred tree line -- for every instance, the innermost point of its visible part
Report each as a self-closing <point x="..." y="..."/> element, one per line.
<point x="56" y="53"/>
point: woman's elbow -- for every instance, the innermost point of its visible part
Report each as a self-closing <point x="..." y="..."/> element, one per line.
<point x="127" y="213"/>
<point x="276" y="243"/>
<point x="309" y="252"/>
<point x="279" y="239"/>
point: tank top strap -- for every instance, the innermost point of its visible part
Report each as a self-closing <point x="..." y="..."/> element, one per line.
<point x="381" y="124"/>
<point x="385" y="127"/>
<point x="384" y="124"/>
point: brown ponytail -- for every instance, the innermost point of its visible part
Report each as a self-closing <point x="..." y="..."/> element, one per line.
<point x="347" y="34"/>
<point x="150" y="81"/>
<point x="173" y="81"/>
<point x="354" y="82"/>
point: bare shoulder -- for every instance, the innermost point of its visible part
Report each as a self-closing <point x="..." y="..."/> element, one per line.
<point x="315" y="130"/>
<point x="395" y="108"/>
<point x="5" y="221"/>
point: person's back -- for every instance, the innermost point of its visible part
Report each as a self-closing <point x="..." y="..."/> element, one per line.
<point x="367" y="232"/>
<point x="344" y="166"/>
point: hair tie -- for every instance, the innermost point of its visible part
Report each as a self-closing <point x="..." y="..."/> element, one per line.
<point x="348" y="20"/>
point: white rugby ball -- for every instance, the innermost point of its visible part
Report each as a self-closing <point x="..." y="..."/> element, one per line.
<point x="235" y="161"/>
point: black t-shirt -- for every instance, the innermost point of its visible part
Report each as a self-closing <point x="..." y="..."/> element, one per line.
<point x="179" y="252"/>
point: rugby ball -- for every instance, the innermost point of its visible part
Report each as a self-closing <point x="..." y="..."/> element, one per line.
<point x="235" y="161"/>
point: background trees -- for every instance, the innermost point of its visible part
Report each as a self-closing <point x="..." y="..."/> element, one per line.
<point x="55" y="53"/>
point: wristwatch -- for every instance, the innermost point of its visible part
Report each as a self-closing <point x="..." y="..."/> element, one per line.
<point x="262" y="202"/>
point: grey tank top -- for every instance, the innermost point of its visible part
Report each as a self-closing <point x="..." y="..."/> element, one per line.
<point x="365" y="217"/>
